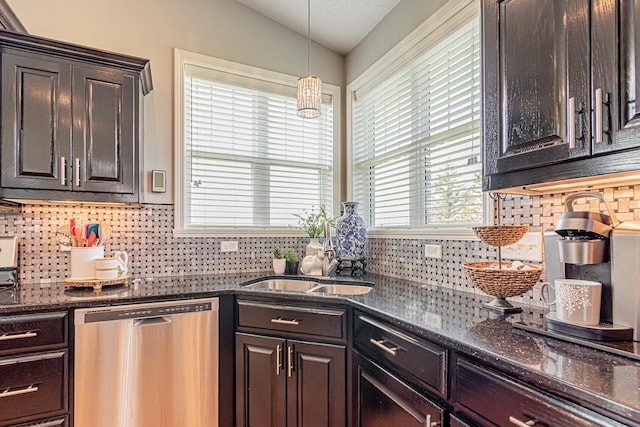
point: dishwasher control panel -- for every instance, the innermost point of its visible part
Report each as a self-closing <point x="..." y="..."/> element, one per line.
<point x="141" y="311"/>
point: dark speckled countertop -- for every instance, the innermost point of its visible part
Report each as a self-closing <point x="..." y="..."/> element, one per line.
<point x="601" y="380"/>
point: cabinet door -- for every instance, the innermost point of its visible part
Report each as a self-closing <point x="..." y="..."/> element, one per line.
<point x="104" y="130"/>
<point x="36" y="132"/>
<point x="536" y="83"/>
<point x="261" y="381"/>
<point x="604" y="66"/>
<point x="629" y="63"/>
<point x="383" y="400"/>
<point x="316" y="389"/>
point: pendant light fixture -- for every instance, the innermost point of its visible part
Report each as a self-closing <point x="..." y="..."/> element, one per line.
<point x="309" y="86"/>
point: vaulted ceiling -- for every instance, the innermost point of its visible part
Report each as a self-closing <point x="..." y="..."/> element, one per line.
<point x="336" y="24"/>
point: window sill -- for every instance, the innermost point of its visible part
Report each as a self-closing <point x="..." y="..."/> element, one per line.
<point x="238" y="232"/>
<point x="433" y="233"/>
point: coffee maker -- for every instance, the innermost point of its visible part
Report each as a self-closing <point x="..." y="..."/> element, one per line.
<point x="597" y="247"/>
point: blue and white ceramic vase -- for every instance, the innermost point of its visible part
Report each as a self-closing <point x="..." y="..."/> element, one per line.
<point x="350" y="233"/>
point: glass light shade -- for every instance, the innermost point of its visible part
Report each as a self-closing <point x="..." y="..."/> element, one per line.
<point x="309" y="97"/>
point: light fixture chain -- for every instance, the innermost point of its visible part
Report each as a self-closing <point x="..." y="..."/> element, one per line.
<point x="308" y="36"/>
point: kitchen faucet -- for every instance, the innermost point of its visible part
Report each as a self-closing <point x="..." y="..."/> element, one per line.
<point x="329" y="261"/>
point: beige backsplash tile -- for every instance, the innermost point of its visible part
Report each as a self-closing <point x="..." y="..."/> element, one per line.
<point x="147" y="235"/>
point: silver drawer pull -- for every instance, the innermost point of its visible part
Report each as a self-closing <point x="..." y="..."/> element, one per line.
<point x="381" y="346"/>
<point x="7" y="337"/>
<point x="29" y="389"/>
<point x="517" y="422"/>
<point x="282" y="321"/>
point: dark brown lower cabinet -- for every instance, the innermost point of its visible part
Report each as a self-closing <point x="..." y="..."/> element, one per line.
<point x="289" y="383"/>
<point x="490" y="398"/>
<point x="384" y="400"/>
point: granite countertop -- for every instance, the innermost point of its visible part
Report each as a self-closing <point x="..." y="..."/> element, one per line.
<point x="600" y="379"/>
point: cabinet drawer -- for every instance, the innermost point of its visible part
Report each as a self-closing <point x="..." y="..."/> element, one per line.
<point x="302" y="320"/>
<point x="504" y="402"/>
<point x="424" y="361"/>
<point x="31" y="332"/>
<point x="32" y="385"/>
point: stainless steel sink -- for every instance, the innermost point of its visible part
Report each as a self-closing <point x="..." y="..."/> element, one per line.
<point x="284" y="285"/>
<point x="342" y="289"/>
<point x="327" y="288"/>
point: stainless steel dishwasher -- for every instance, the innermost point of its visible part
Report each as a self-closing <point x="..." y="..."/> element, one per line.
<point x="147" y="365"/>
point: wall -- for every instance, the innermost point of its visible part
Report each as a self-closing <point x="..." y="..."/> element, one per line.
<point x="152" y="28"/>
<point x="401" y="21"/>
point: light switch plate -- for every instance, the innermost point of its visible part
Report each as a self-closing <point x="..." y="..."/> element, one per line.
<point x="229" y="246"/>
<point x="433" y="251"/>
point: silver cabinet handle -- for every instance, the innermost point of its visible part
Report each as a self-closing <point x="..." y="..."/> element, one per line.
<point x="517" y="422"/>
<point x="77" y="174"/>
<point x="278" y="361"/>
<point x="282" y="321"/>
<point x="571" y="123"/>
<point x="63" y="171"/>
<point x="149" y="321"/>
<point x="381" y="346"/>
<point x="7" y="337"/>
<point x="289" y="361"/>
<point x="30" y="389"/>
<point x="598" y="114"/>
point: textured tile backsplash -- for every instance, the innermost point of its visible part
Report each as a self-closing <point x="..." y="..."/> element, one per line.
<point x="146" y="234"/>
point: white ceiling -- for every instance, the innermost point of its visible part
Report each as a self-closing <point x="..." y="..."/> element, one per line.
<point x="336" y="24"/>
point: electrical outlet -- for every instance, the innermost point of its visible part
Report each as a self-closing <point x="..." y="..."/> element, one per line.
<point x="229" y="246"/>
<point x="433" y="251"/>
<point x="529" y="248"/>
<point x="433" y="319"/>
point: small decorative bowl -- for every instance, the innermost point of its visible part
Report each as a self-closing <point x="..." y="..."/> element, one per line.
<point x="500" y="235"/>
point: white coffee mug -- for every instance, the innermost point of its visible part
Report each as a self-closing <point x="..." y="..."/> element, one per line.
<point x="577" y="301"/>
<point x="83" y="266"/>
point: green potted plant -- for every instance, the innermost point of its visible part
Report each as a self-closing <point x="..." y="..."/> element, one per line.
<point x="312" y="223"/>
<point x="291" y="265"/>
<point x="279" y="262"/>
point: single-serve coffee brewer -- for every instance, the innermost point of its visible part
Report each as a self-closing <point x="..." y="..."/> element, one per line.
<point x="593" y="246"/>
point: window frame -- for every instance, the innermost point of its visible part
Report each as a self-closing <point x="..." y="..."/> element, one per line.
<point x="183" y="58"/>
<point x="434" y="27"/>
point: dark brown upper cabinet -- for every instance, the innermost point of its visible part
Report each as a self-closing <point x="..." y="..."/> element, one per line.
<point x="559" y="86"/>
<point x="70" y="121"/>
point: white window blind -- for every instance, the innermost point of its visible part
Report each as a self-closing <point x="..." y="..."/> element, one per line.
<point x="416" y="134"/>
<point x="249" y="160"/>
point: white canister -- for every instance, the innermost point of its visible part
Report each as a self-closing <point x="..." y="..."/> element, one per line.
<point x="83" y="262"/>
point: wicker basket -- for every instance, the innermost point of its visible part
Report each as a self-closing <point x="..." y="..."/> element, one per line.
<point x="500" y="235"/>
<point x="501" y="283"/>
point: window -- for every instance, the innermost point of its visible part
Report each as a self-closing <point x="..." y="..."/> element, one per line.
<point x="248" y="161"/>
<point x="415" y="127"/>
